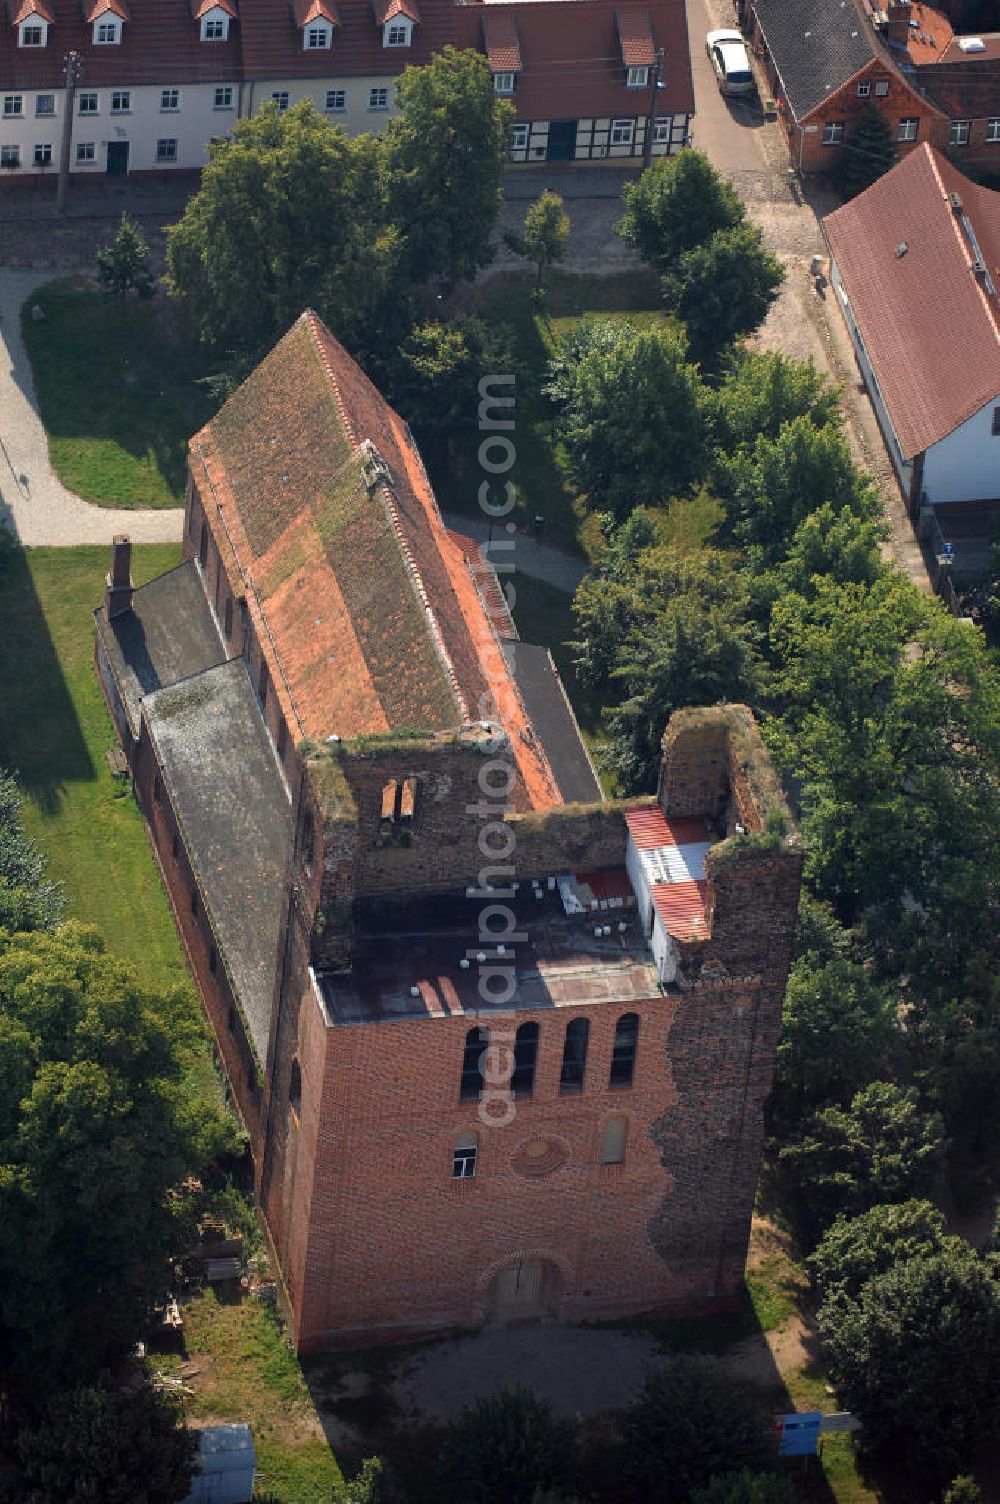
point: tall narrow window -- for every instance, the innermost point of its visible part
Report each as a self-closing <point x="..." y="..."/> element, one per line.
<point x="463" y="1163"/>
<point x="262" y="685"/>
<point x="574" y="1061"/>
<point x="476" y="1044"/>
<point x="229" y="619"/>
<point x="613" y="1142"/>
<point x="203" y="545"/>
<point x="308" y="841"/>
<point x="295" y="1088"/>
<point x="282" y="740"/>
<point x="623" y="1053"/>
<point x="522" y="1082"/>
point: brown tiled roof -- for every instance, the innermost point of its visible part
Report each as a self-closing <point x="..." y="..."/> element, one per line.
<point x="160" y="44"/>
<point x="968" y="89"/>
<point x="24" y="10"/>
<point x="500" y="36"/>
<point x="386" y="10"/>
<point x="571" y="57"/>
<point x="103" y="7"/>
<point x="372" y="619"/>
<point x="636" y="35"/>
<point x="316" y="10"/>
<point x="272" y="43"/>
<point x="929" y="324"/>
<point x="201" y="8"/>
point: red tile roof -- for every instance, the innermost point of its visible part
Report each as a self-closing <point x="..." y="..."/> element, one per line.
<point x="201" y="8"/>
<point x="650" y="828"/>
<point x="571" y="57"/>
<point x="272" y="43"/>
<point x="931" y="328"/>
<point x="103" y="7"/>
<point x="956" y="53"/>
<point x="385" y="10"/>
<point x="681" y="906"/>
<point x="500" y="36"/>
<point x="28" y="8"/>
<point x="364" y="601"/>
<point x="636" y="35"/>
<point x="316" y="10"/>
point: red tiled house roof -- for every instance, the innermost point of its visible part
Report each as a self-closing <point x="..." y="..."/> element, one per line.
<point x="362" y="597"/>
<point x="636" y="35"/>
<point x="500" y="38"/>
<point x="387" y="10"/>
<point x="99" y="8"/>
<point x="929" y="324"/>
<point x="272" y="41"/>
<point x="571" y="62"/>
<point x="28" y="8"/>
<point x="316" y="10"/>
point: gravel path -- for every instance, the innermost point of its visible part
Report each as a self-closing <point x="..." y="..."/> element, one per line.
<point x="539" y="561"/>
<point x="32" y="499"/>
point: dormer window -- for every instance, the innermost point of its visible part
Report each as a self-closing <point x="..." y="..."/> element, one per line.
<point x="215" y="28"/>
<point x="397" y="33"/>
<point x="317" y="36"/>
<point x="637" y="78"/>
<point x="213" y="17"/>
<point x="33" y="34"/>
<point x="106" y="19"/>
<point x="503" y="83"/>
<point x="107" y="32"/>
<point x="316" y="19"/>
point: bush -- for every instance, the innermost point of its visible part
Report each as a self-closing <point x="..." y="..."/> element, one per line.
<point x="504" y="1448"/>
<point x="746" y="1487"/>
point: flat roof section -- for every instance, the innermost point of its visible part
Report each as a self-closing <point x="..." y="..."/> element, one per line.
<point x="549" y="711"/>
<point x="222" y="776"/>
<point x="169" y="634"/>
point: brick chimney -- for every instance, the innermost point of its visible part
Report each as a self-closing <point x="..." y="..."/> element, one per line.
<point x="898" y="26"/>
<point x="118" y="586"/>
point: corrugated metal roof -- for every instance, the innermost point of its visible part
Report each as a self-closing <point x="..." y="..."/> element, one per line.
<point x="649" y="827"/>
<point x="681" y="906"/>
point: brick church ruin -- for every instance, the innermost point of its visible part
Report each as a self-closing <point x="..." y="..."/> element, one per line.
<point x="501" y="1046"/>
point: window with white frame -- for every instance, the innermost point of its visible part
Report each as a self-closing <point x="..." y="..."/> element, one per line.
<point x="463" y="1160"/>
<point x="317" y="36"/>
<point x="661" y="131"/>
<point x="622" y="132"/>
<point x="958" y="134"/>
<point x="10" y="156"/>
<point x="280" y="98"/>
<point x="993" y="131"/>
<point x="45" y="104"/>
<point x="89" y="104"/>
<point x="170" y="100"/>
<point x="32" y="35"/>
<point x="13" y="106"/>
<point x="503" y="83"/>
<point x="336" y="99"/>
<point x="881" y="88"/>
<point x="224" y="97"/>
<point x="908" y="128"/>
<point x="214" y="28"/>
<point x="43" y="154"/>
<point x="166" y="149"/>
<point x="86" y="151"/>
<point x="397" y="33"/>
<point x="864" y="90"/>
<point x="107" y="32"/>
<point x="833" y="132"/>
<point x="519" y="138"/>
<point x="121" y="102"/>
<point x="378" y="98"/>
<point x="637" y="78"/>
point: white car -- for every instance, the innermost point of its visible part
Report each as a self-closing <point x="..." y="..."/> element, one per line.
<point x="728" y="56"/>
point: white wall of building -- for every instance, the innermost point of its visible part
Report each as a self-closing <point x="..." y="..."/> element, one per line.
<point x="356" y="117"/>
<point x="903" y="468"/>
<point x="965" y="465"/>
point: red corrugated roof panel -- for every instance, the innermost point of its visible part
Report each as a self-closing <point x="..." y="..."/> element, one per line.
<point x="650" y="828"/>
<point x="681" y="906"/>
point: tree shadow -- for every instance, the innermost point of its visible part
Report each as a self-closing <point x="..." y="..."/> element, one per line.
<point x="41" y="739"/>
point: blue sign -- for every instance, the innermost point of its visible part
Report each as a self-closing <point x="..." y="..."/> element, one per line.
<point x="799" y="1434"/>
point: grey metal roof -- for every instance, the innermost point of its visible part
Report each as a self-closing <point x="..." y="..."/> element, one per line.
<point x="222" y="778"/>
<point x="816" y="45"/>
<point x="169" y="634"/>
<point x="549" y="711"/>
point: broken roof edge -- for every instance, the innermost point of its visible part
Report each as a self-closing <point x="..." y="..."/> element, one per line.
<point x="769" y="812"/>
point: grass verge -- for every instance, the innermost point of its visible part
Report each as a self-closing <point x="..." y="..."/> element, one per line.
<point x="118" y="393"/>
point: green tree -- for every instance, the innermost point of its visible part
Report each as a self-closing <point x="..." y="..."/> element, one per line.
<point x="28" y="899"/>
<point x="761" y="391"/>
<point x="746" y="1488"/>
<point x="917" y="1357"/>
<point x="630" y="415"/>
<point x="291" y="214"/>
<point x="96" y="1128"/>
<point x="854" y="1250"/>
<point x="543" y="238"/>
<point x="841" y="547"/>
<point x="962" y="1490"/>
<point x="678" y="203"/>
<point x="880" y="1149"/>
<point x="722" y="288"/>
<point x="504" y="1447"/>
<point x="366" y="1486"/>
<point x="124" y="264"/>
<point x="837" y="1027"/>
<point x="688" y="1425"/>
<point x="444" y="158"/>
<point x="868" y="152"/>
<point x="435" y="381"/>
<point x="121" y="1446"/>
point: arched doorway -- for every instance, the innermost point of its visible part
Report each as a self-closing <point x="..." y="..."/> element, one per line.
<point x="527" y="1287"/>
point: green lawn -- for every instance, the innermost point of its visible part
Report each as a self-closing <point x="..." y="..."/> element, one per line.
<point x="54" y="733"/>
<point x="544" y="488"/>
<point x="118" y="392"/>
